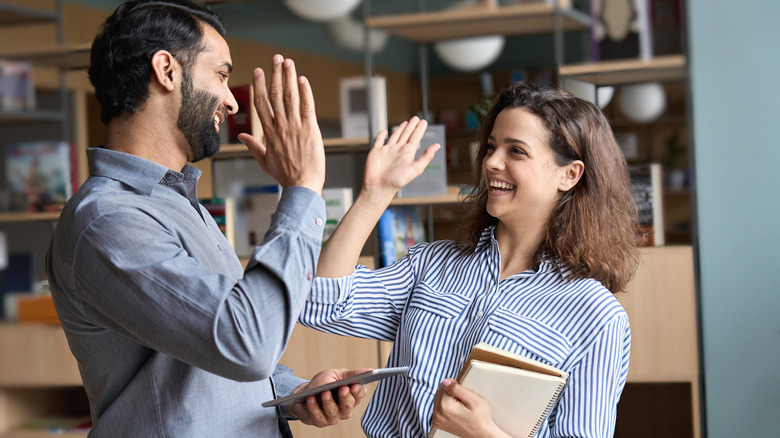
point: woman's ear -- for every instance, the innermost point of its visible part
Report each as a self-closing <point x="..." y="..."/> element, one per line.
<point x="165" y="69"/>
<point x="571" y="175"/>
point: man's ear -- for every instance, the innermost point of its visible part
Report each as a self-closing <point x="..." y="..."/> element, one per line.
<point x="165" y="69"/>
<point x="571" y="175"/>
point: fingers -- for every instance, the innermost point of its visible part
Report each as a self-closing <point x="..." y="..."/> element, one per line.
<point x="276" y="95"/>
<point x="380" y="138"/>
<point x="308" y="112"/>
<point x="255" y="147"/>
<point x="262" y="104"/>
<point x="292" y="101"/>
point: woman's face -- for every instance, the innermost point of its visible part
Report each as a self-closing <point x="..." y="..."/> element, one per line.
<point x="523" y="179"/>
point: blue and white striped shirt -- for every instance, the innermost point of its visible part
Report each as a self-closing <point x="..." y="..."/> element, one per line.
<point x="436" y="303"/>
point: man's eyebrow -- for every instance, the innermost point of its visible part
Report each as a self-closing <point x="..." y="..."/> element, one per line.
<point x="228" y="66"/>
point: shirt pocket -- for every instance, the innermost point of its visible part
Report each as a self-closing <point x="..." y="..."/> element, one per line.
<point x="528" y="336"/>
<point x="428" y="299"/>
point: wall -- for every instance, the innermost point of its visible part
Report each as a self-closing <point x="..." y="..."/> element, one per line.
<point x="736" y="102"/>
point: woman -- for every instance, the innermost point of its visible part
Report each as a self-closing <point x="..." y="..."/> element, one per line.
<point x="550" y="235"/>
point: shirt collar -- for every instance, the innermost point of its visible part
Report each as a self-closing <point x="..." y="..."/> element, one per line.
<point x="139" y="173"/>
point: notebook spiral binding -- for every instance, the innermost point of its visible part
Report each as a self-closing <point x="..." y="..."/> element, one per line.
<point x="547" y="410"/>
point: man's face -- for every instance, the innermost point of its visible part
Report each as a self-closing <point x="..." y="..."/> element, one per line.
<point x="206" y="99"/>
<point x="196" y="119"/>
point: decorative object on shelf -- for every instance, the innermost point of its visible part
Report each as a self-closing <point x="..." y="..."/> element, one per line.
<point x="642" y="103"/>
<point x="39" y="175"/>
<point x="601" y="96"/>
<point x="321" y="10"/>
<point x="675" y="173"/>
<point x="347" y="33"/>
<point x="469" y="54"/>
<point x="620" y="29"/>
<point x="354" y="106"/>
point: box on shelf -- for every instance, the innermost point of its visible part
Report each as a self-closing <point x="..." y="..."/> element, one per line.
<point x="354" y="106"/>
<point x="433" y="181"/>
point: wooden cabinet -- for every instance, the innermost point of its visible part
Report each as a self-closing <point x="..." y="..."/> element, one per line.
<point x="39" y="378"/>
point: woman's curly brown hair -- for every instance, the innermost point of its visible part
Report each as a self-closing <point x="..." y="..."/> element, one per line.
<point x="593" y="228"/>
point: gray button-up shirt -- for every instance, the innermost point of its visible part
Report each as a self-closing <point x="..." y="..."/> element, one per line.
<point x="172" y="337"/>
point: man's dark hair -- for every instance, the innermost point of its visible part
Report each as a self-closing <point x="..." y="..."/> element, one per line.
<point x="120" y="63"/>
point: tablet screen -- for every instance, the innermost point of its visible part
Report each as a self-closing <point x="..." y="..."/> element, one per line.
<point x="362" y="378"/>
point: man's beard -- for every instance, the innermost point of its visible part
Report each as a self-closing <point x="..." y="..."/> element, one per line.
<point x="196" y="120"/>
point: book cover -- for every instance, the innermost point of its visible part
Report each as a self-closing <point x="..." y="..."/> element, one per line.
<point x="647" y="188"/>
<point x="399" y="228"/>
<point x="245" y="119"/>
<point x="354" y="103"/>
<point x="39" y="175"/>
<point x="433" y="180"/>
<point x="521" y="391"/>
<point x="223" y="210"/>
<point x="16" y="86"/>
<point x="337" y="202"/>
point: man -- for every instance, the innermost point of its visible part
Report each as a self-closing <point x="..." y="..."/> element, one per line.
<point x="171" y="337"/>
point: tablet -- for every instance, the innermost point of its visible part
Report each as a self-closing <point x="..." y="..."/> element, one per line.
<point x="362" y="378"/>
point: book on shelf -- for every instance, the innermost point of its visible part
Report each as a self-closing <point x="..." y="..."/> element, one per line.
<point x="39" y="175"/>
<point x="16" y="86"/>
<point x="337" y="202"/>
<point x="223" y="210"/>
<point x="398" y="229"/>
<point x="521" y="391"/>
<point x="433" y="180"/>
<point x="647" y="188"/>
<point x="245" y="119"/>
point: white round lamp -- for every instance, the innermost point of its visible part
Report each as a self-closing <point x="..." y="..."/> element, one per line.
<point x="642" y="103"/>
<point x="588" y="91"/>
<point x="470" y="54"/>
<point x="321" y="10"/>
<point x="347" y="32"/>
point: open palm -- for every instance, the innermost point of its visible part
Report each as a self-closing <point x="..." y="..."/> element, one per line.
<point x="393" y="165"/>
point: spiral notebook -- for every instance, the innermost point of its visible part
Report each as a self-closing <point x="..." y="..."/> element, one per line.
<point x="521" y="391"/>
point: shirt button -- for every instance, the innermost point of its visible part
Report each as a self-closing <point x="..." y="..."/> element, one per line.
<point x="318" y="221"/>
<point x="309" y="276"/>
<point x="480" y="313"/>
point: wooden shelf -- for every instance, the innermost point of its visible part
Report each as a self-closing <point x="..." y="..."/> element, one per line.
<point x="662" y="68"/>
<point x="21" y="216"/>
<point x="453" y="196"/>
<point x="521" y="19"/>
<point x="13" y="15"/>
<point x="67" y="56"/>
<point x="331" y="145"/>
<point x="30" y="116"/>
